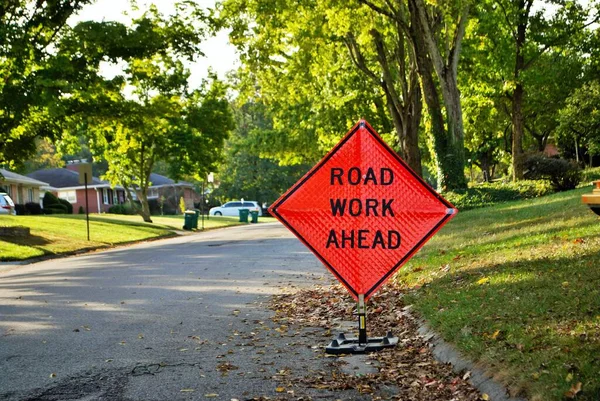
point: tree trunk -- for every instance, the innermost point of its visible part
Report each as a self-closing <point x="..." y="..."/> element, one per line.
<point x="449" y="167"/>
<point x="145" y="210"/>
<point x="448" y="140"/>
<point x="411" y="133"/>
<point x="404" y="110"/>
<point x="517" y="98"/>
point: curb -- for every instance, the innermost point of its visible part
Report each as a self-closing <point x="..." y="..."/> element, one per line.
<point x="446" y="353"/>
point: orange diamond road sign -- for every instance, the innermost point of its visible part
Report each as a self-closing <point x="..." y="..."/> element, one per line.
<point x="362" y="211"/>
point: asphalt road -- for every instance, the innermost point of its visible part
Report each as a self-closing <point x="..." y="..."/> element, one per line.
<point x="181" y="318"/>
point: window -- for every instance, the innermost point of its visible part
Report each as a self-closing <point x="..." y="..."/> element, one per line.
<point x="115" y="198"/>
<point x="70" y="196"/>
<point x="105" y="196"/>
<point x="30" y="195"/>
<point x="152" y="193"/>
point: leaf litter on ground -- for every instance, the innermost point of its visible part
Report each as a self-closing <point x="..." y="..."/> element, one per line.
<point x="408" y="371"/>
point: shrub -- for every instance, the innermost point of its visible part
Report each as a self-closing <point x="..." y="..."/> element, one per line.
<point x="115" y="209"/>
<point x="154" y="205"/>
<point x="590" y="174"/>
<point x="67" y="205"/>
<point x="56" y="209"/>
<point x="81" y="210"/>
<point x="563" y="174"/>
<point x="182" y="207"/>
<point x="33" y="208"/>
<point x="50" y="200"/>
<point x="20" y="209"/>
<point x="488" y="194"/>
<point x="124" y="208"/>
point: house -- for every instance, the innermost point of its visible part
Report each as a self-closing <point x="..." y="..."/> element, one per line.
<point x="20" y="188"/>
<point x="64" y="183"/>
<point x="171" y="191"/>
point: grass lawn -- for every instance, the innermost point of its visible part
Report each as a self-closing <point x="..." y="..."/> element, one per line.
<point x="58" y="234"/>
<point x="517" y="286"/>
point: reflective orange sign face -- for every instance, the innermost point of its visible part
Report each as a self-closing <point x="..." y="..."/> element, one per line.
<point x="362" y="211"/>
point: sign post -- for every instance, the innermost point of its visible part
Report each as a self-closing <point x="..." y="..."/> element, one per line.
<point x="85" y="177"/>
<point x="364" y="213"/>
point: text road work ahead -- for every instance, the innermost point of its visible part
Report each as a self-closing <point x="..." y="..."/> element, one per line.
<point x="355" y="207"/>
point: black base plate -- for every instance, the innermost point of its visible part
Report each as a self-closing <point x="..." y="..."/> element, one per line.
<point x="344" y="345"/>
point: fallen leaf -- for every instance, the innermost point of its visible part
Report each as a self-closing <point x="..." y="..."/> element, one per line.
<point x="485" y="397"/>
<point x="211" y="395"/>
<point x="484" y="280"/>
<point x="280" y="389"/>
<point x="52" y="374"/>
<point x="187" y="390"/>
<point x="573" y="391"/>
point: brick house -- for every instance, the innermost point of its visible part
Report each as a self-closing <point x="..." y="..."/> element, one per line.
<point x="20" y="188"/>
<point x="64" y="183"/>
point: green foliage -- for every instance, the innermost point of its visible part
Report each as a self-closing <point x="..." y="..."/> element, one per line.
<point x="247" y="172"/>
<point x="489" y="194"/>
<point x="124" y="209"/>
<point x="580" y="119"/>
<point x="163" y="119"/>
<point x="28" y="94"/>
<point x="512" y="286"/>
<point x="589" y="175"/>
<point x="50" y="200"/>
<point x="56" y="209"/>
<point x="33" y="208"/>
<point x="81" y="210"/>
<point x="563" y="174"/>
<point x="20" y="209"/>
<point x="182" y="207"/>
<point x="67" y="205"/>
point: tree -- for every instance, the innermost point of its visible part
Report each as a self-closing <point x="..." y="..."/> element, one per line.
<point x="580" y="120"/>
<point x="302" y="45"/>
<point x="161" y="119"/>
<point x="297" y="65"/>
<point x="527" y="33"/>
<point x="245" y="171"/>
<point x="28" y="31"/>
<point x="438" y="35"/>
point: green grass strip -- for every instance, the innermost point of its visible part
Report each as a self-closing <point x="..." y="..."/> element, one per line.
<point x="517" y="286"/>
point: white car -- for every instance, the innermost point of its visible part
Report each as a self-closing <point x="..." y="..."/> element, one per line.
<point x="7" y="206"/>
<point x="233" y="208"/>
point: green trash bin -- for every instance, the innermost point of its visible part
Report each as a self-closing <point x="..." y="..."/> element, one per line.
<point x="254" y="215"/>
<point x="244" y="215"/>
<point x="190" y="220"/>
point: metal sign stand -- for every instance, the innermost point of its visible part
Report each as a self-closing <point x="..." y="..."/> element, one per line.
<point x="362" y="344"/>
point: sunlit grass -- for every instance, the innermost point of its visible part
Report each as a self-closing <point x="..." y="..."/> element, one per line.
<point x="58" y="234"/>
<point x="517" y="286"/>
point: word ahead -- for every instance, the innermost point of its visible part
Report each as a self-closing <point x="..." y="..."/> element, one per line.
<point x="356" y="207"/>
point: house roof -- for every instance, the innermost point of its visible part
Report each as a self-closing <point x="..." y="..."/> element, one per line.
<point x="63" y="178"/>
<point x="10" y="177"/>
<point x="158" y="180"/>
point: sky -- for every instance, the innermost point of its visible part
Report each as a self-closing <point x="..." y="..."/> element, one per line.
<point x="220" y="55"/>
